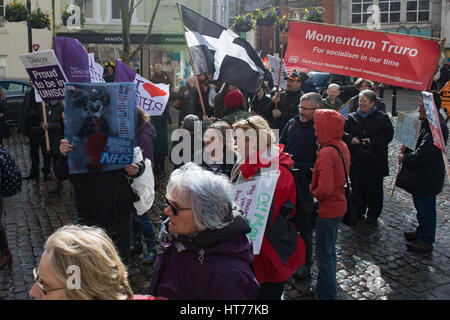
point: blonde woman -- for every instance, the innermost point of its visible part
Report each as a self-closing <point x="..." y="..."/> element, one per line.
<point x="80" y="263"/>
<point x="282" y="249"/>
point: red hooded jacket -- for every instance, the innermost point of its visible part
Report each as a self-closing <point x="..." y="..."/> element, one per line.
<point x="328" y="178"/>
<point x="282" y="250"/>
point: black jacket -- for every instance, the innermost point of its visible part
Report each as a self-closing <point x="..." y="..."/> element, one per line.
<point x="300" y="142"/>
<point x="426" y="162"/>
<point x="31" y="115"/>
<point x="103" y="197"/>
<point x="55" y="125"/>
<point x="288" y="105"/>
<point x="259" y="105"/>
<point x="373" y="158"/>
<point x="189" y="102"/>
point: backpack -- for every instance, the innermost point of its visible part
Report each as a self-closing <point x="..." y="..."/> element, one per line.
<point x="306" y="208"/>
<point x="11" y="178"/>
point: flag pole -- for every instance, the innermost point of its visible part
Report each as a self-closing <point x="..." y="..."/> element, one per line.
<point x="281" y="66"/>
<point x="192" y="63"/>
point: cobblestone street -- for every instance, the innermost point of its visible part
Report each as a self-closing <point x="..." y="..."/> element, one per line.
<point x="373" y="261"/>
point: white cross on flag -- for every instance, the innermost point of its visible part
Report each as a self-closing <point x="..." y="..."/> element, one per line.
<point x="221" y="52"/>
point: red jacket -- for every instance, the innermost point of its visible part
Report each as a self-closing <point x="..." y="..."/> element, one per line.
<point x="282" y="250"/>
<point x="328" y="176"/>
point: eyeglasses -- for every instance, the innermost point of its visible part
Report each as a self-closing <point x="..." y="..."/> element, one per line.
<point x="306" y="109"/>
<point x="175" y="209"/>
<point x="41" y="286"/>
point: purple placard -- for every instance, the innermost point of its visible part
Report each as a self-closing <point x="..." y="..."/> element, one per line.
<point x="49" y="81"/>
<point x="46" y="73"/>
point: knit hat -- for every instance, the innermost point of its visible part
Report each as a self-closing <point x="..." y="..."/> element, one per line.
<point x="233" y="99"/>
<point x="189" y="120"/>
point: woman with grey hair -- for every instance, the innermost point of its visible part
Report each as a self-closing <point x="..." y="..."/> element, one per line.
<point x="206" y="253"/>
<point x="367" y="133"/>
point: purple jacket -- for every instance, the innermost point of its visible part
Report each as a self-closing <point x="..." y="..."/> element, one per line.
<point x="144" y="139"/>
<point x="214" y="265"/>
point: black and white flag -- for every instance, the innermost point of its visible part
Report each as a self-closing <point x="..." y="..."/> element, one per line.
<point x="220" y="51"/>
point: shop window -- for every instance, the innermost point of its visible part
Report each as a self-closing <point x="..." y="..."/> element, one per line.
<point x="2" y="66"/>
<point x="115" y="8"/>
<point x="418" y="11"/>
<point x="87" y="6"/>
<point x="359" y="11"/>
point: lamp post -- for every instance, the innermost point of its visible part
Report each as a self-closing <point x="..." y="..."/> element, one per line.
<point x="30" y="39"/>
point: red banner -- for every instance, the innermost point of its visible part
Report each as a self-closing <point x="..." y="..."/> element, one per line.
<point x="395" y="59"/>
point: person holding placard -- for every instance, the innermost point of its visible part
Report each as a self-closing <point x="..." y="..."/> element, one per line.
<point x="282" y="250"/>
<point x="422" y="174"/>
<point x="31" y="123"/>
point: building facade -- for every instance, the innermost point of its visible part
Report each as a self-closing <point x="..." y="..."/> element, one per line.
<point x="101" y="33"/>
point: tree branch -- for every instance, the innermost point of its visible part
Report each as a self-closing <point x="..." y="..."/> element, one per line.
<point x="149" y="32"/>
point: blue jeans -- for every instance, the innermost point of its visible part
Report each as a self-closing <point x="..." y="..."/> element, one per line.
<point x="326" y="235"/>
<point x="426" y="216"/>
<point x="142" y="225"/>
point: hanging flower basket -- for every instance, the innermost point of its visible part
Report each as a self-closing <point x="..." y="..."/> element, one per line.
<point x="314" y="14"/>
<point x="39" y="19"/>
<point x="283" y="24"/>
<point x="244" y="23"/>
<point x="15" y="12"/>
<point x="67" y="12"/>
<point x="266" y="18"/>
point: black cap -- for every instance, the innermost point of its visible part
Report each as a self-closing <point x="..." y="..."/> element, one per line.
<point x="294" y="76"/>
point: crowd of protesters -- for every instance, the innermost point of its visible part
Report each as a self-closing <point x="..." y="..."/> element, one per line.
<point x="206" y="253"/>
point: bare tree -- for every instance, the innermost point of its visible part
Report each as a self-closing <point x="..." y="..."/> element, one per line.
<point x="127" y="8"/>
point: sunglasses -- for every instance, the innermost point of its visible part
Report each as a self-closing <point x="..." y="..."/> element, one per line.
<point x="174" y="208"/>
<point x="41" y="286"/>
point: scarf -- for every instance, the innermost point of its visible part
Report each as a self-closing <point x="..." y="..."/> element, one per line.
<point x="362" y="115"/>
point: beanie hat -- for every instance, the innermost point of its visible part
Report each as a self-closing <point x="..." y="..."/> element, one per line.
<point x="189" y="120"/>
<point x="233" y="99"/>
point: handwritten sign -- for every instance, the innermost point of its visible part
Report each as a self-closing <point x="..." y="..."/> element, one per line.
<point x="255" y="198"/>
<point x="275" y="69"/>
<point x="407" y="130"/>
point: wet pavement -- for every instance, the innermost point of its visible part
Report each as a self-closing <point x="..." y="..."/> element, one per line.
<point x="373" y="262"/>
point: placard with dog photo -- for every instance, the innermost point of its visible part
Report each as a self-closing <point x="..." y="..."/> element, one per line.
<point x="99" y="122"/>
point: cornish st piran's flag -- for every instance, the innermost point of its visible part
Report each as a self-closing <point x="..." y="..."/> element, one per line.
<point x="217" y="50"/>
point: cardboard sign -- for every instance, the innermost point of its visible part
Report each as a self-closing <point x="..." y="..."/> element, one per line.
<point x="395" y="59"/>
<point x="275" y="70"/>
<point x="255" y="198"/>
<point x="435" y="126"/>
<point x="151" y="97"/>
<point x="407" y="130"/>
<point x="46" y="73"/>
<point x="344" y="110"/>
<point x="99" y="123"/>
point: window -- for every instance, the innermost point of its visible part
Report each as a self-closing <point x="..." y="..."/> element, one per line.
<point x="2" y="66"/>
<point x="2" y="14"/>
<point x="417" y="11"/>
<point x="87" y="6"/>
<point x="389" y="10"/>
<point x="359" y="10"/>
<point x="115" y="7"/>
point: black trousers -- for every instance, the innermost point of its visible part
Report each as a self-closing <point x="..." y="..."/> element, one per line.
<point x="119" y="231"/>
<point x="35" y="143"/>
<point x="271" y="291"/>
<point x="368" y="193"/>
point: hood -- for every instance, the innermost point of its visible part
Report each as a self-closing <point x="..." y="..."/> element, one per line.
<point x="265" y="159"/>
<point x="329" y="125"/>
